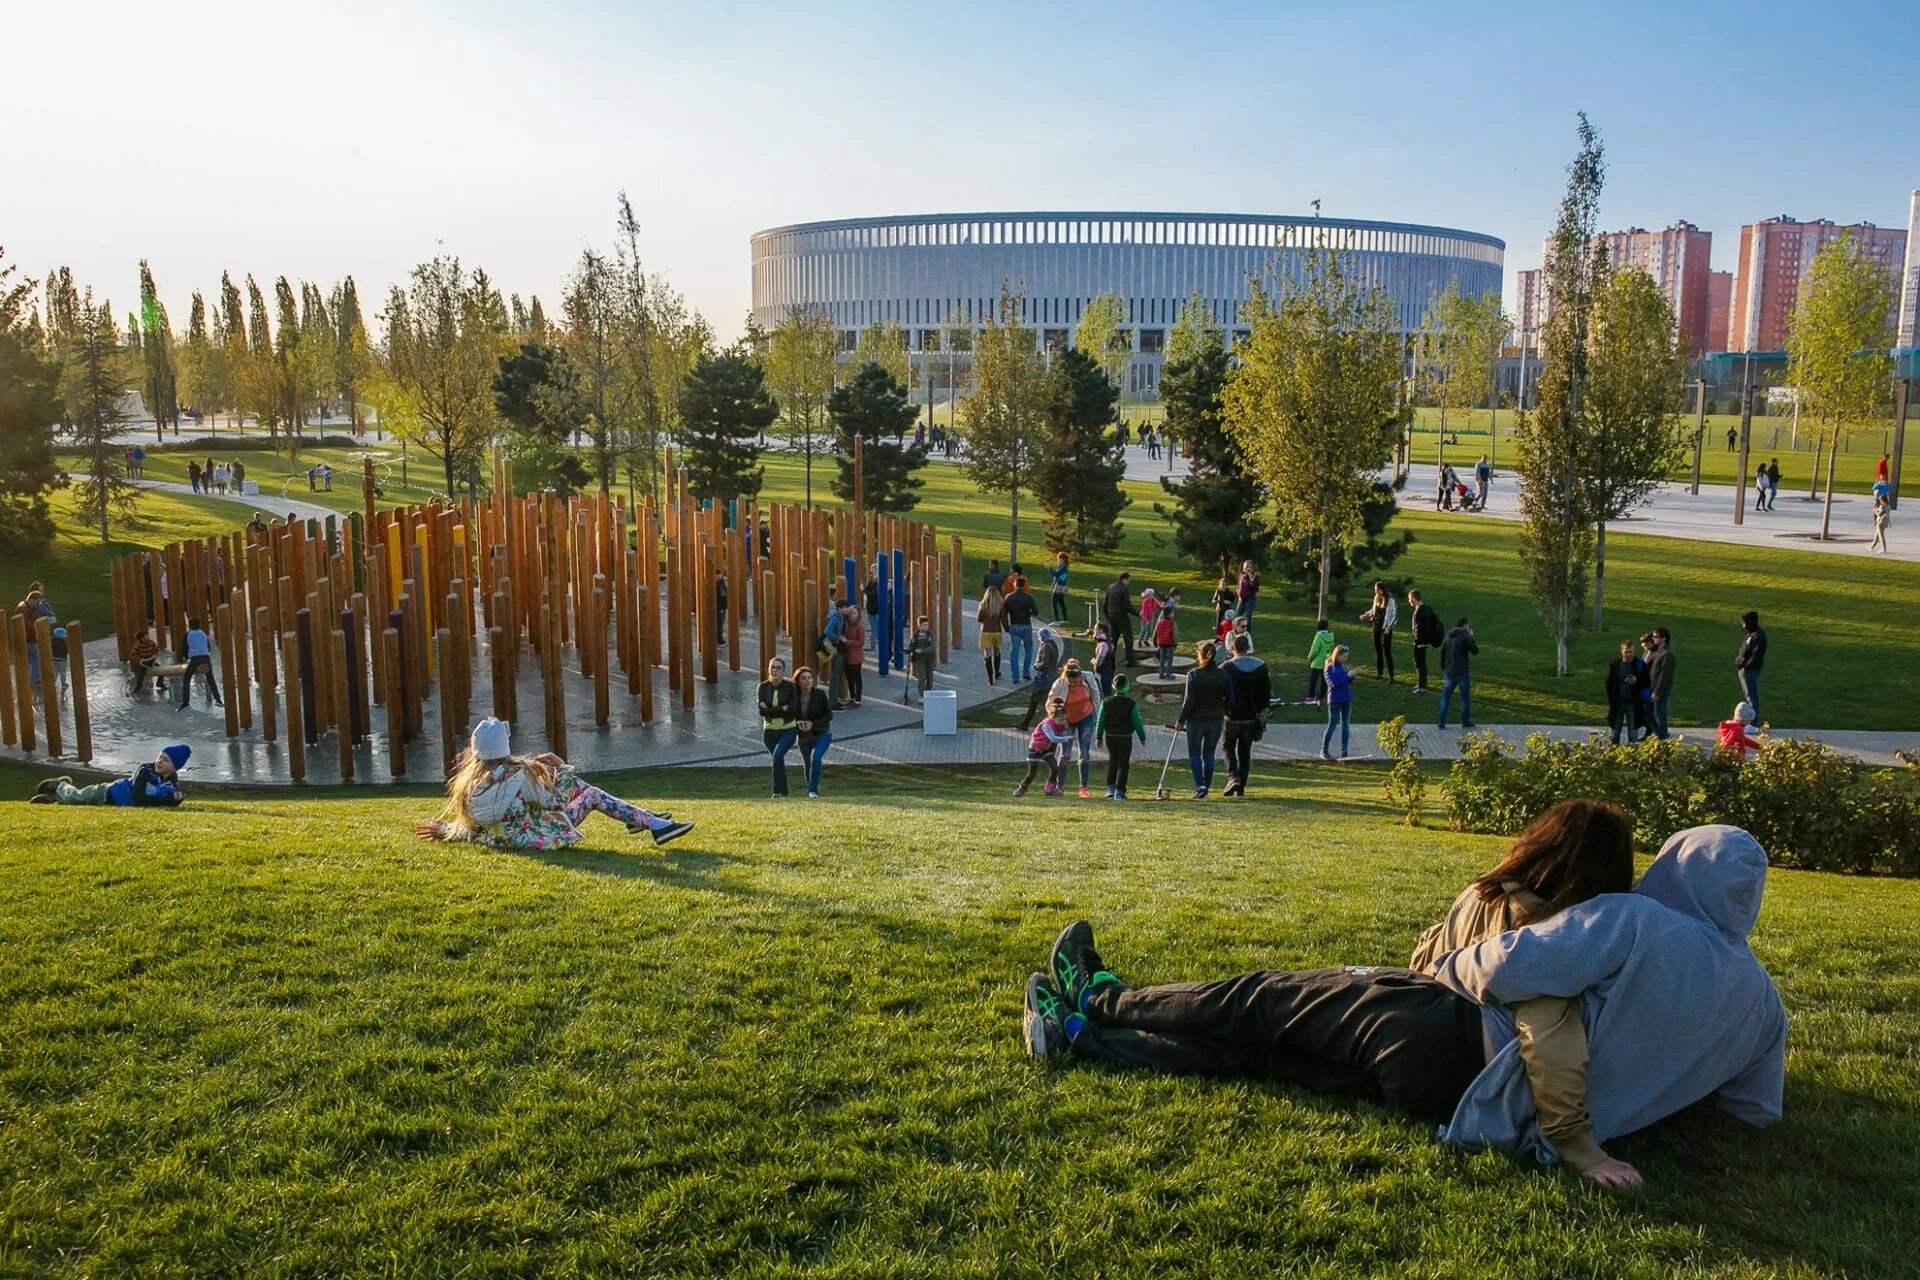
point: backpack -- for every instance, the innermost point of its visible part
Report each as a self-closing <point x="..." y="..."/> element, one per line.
<point x="1079" y="700"/>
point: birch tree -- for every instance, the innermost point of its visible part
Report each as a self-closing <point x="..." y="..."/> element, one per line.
<point x="1004" y="414"/>
<point x="1837" y="357"/>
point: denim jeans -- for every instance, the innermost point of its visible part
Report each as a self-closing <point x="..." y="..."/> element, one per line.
<point x="1338" y="713"/>
<point x="1750" y="690"/>
<point x="815" y="752"/>
<point x="1203" y="738"/>
<point x="779" y="742"/>
<point x="1659" y="709"/>
<point x="1164" y="654"/>
<point x="1020" y="640"/>
<point x="1060" y="607"/>
<point x="1465" y="685"/>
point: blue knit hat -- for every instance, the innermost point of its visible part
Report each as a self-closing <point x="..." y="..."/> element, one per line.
<point x="178" y="753"/>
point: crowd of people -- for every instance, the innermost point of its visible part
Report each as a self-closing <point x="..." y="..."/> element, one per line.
<point x="212" y="477"/>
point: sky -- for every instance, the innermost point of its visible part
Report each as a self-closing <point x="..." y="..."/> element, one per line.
<point x="318" y="141"/>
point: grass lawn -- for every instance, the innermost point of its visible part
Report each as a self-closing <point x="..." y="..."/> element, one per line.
<point x="281" y="477"/>
<point x="272" y="1035"/>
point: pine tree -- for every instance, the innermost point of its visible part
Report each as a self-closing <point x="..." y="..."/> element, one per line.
<point x="29" y="408"/>
<point x="1082" y="458"/>
<point x="537" y="395"/>
<point x="872" y="407"/>
<point x="1216" y="510"/>
<point x="724" y="408"/>
<point x="160" y="378"/>
<point x="95" y="379"/>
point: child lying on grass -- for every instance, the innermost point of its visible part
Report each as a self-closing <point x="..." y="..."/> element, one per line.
<point x="506" y="801"/>
<point x="149" y="785"/>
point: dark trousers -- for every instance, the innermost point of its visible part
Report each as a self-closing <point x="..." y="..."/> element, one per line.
<point x="856" y="682"/>
<point x="1060" y="606"/>
<point x="1120" y="630"/>
<point x="1119" y="761"/>
<point x="1036" y="702"/>
<point x="1388" y="1035"/>
<point x="1239" y="743"/>
<point x="204" y="668"/>
<point x="1624" y="715"/>
<point x="1420" y="665"/>
<point x="1383" y="653"/>
<point x="1203" y="737"/>
<point x="1316" y="682"/>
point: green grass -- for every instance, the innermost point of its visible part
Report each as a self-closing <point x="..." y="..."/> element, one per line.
<point x="272" y="1035"/>
<point x="281" y="477"/>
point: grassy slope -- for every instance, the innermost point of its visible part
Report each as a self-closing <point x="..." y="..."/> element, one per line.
<point x="277" y="1037"/>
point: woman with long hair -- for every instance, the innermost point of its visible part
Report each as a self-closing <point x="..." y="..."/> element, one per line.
<point x="1339" y="685"/>
<point x="1203" y="715"/>
<point x="1385" y="616"/>
<point x="779" y="703"/>
<point x="1577" y="850"/>
<point x="504" y="801"/>
<point x="992" y="617"/>
<point x="813" y="721"/>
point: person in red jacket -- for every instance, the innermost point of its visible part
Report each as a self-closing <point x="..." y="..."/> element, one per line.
<point x="1733" y="733"/>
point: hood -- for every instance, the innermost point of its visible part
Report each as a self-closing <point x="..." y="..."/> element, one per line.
<point x="1715" y="874"/>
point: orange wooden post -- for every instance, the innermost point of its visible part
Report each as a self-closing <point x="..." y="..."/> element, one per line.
<point x="709" y="619"/>
<point x="598" y="645"/>
<point x="343" y="704"/>
<point x="263" y="668"/>
<point x="229" y="691"/>
<point x="242" y="684"/>
<point x="22" y="681"/>
<point x="443" y="643"/>
<point x="8" y="733"/>
<point x="643" y="664"/>
<point x="396" y="707"/>
<point x="77" y="677"/>
<point x="49" y="688"/>
<point x="296" y="731"/>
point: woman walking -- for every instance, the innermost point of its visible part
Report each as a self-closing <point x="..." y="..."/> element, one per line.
<point x="1339" y="683"/>
<point x="1384" y="616"/>
<point x="1059" y="575"/>
<point x="1082" y="715"/>
<point x="1203" y="715"/>
<point x="1248" y="589"/>
<point x="856" y="656"/>
<point x="992" y="617"/>
<point x="1226" y="602"/>
<point x="813" y="722"/>
<point x="779" y="703"/>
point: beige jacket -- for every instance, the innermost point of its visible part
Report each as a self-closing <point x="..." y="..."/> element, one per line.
<point x="1553" y="1040"/>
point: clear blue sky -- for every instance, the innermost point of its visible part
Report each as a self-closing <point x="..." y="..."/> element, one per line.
<point x="360" y="138"/>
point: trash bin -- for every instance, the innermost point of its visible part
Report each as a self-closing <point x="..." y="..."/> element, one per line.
<point x="941" y="712"/>
<point x="250" y="488"/>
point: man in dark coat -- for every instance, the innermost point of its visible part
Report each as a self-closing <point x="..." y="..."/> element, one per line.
<point x="1118" y="606"/>
<point x="1427" y="634"/>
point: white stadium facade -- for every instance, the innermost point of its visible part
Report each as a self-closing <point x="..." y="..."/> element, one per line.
<point x="932" y="273"/>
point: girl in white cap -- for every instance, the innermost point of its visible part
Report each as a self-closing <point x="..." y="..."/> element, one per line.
<point x="506" y="801"/>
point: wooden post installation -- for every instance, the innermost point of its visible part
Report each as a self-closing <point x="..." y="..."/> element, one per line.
<point x="343" y="703"/>
<point x="82" y="723"/>
<point x="943" y="616"/>
<point x="49" y="688"/>
<point x="263" y="669"/>
<point x="231" y="690"/>
<point x="709" y="619"/>
<point x="956" y="576"/>
<point x="22" y="680"/>
<point x="296" y="727"/>
<point x="8" y="732"/>
<point x="643" y="663"/>
<point x="242" y="680"/>
<point x="396" y="704"/>
<point x="597" y="644"/>
<point x="443" y="643"/>
<point x="303" y="664"/>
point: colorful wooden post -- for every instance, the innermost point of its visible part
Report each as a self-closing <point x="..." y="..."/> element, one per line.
<point x="296" y="726"/>
<point x="82" y="722"/>
<point x="343" y="703"/>
<point x="263" y="669"/>
<point x="396" y="700"/>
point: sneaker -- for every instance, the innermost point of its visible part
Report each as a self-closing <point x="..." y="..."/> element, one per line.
<point x="1199" y="793"/>
<point x="1419" y="689"/>
<point x="1076" y="965"/>
<point x="1312" y="702"/>
<point x="50" y="785"/>
<point x="1327" y="756"/>
<point x="813" y="795"/>
<point x="1051" y="790"/>
<point x="1233" y="789"/>
<point x="1085" y="794"/>
<point x="671" y="832"/>
<point x="1040" y="1025"/>
<point x="1110" y="793"/>
<point x="40" y="797"/>
<point x="1119" y="795"/>
<point x="1020" y="790"/>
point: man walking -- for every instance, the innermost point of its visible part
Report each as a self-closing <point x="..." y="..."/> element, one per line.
<point x="1660" y="680"/>
<point x="1021" y="608"/>
<point x="1456" y="655"/>
<point x="1046" y="668"/>
<point x="1428" y="633"/>
<point x="1752" y="656"/>
<point x="995" y="579"/>
<point x="1249" y="692"/>
<point x="1483" y="479"/>
<point x="1118" y="606"/>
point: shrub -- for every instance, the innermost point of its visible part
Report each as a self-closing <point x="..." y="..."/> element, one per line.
<point x="1808" y="805"/>
<point x="1404" y="784"/>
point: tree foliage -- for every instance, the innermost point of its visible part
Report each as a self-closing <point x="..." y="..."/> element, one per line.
<point x="29" y="408"/>
<point x="537" y="394"/>
<point x="1358" y="561"/>
<point x="885" y="344"/>
<point x="1216" y="511"/>
<point x="94" y="380"/>
<point x="802" y="360"/>
<point x="160" y="378"/>
<point x="724" y="407"/>
<point x="1837" y="342"/>
<point x="1103" y="336"/>
<point x="1311" y="405"/>
<point x="1004" y="415"/>
<point x="444" y="332"/>
<point x="1082" y="458"/>
<point x="872" y="407"/>
<point x="1458" y="348"/>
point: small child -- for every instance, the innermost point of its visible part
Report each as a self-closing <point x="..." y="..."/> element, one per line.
<point x="1164" y="640"/>
<point x="1104" y="658"/>
<point x="60" y="658"/>
<point x="1317" y="652"/>
<point x="920" y="652"/>
<point x="146" y="654"/>
<point x="1149" y="611"/>
<point x="1048" y="745"/>
<point x="1119" y="720"/>
<point x="149" y="786"/>
<point x="1733" y="733"/>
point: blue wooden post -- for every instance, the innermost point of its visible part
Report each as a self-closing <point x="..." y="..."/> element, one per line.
<point x="883" y="627"/>
<point x="900" y="605"/>
<point x="852" y="569"/>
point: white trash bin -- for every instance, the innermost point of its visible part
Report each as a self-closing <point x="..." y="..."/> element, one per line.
<point x="941" y="714"/>
<point x="250" y="488"/>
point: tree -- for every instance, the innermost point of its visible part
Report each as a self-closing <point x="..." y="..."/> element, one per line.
<point x="803" y="357"/>
<point x="353" y="361"/>
<point x="1082" y="459"/>
<point x="1631" y="408"/>
<point x="196" y="358"/>
<point x="955" y="336"/>
<point x="885" y="344"/>
<point x="1837" y="353"/>
<point x="724" y="408"/>
<point x="290" y="358"/>
<point x="160" y="381"/>
<point x="261" y="386"/>
<point x="1102" y="334"/>
<point x="1459" y="345"/>
<point x="1216" y="513"/>
<point x="537" y="394"/>
<point x="441" y="347"/>
<point x="233" y="336"/>
<point x="94" y="381"/>
<point x="1364" y="559"/>
<point x="639" y="399"/>
<point x="319" y="342"/>
<point x="680" y="336"/>
<point x="591" y="302"/>
<point x="871" y="406"/>
<point x="1004" y="420"/>
<point x="1556" y="531"/>
<point x="1311" y="405"/>
<point x="29" y="408"/>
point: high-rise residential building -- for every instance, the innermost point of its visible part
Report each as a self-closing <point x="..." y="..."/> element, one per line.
<point x="1530" y="305"/>
<point x="1909" y="335"/>
<point x="1677" y="259"/>
<point x="1776" y="257"/>
<point x="1719" y="308"/>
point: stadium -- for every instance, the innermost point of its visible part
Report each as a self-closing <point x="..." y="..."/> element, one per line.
<point x="938" y="272"/>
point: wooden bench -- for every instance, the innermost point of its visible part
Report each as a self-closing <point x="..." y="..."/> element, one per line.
<point x="1158" y="689"/>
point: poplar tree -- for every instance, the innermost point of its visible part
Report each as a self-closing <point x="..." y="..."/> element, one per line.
<point x="289" y="360"/>
<point x="260" y="380"/>
<point x="1004" y="415"/>
<point x="724" y="408"/>
<point x="160" y="380"/>
<point x="233" y="340"/>
<point x="93" y="383"/>
<point x="1082" y="459"/>
<point x="802" y="360"/>
<point x="29" y="408"/>
<point x="195" y="358"/>
<point x="444" y="332"/>
<point x="353" y="360"/>
<point x="592" y="309"/>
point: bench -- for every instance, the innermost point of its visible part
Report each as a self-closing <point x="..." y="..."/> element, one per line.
<point x="138" y="673"/>
<point x="1157" y="689"/>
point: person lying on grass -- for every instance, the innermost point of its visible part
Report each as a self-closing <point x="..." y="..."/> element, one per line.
<point x="1675" y="1007"/>
<point x="148" y="786"/>
<point x="506" y="801"/>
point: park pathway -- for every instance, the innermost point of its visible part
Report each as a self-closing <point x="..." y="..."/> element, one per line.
<point x="272" y="504"/>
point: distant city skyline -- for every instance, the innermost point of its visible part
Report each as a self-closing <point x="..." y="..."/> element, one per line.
<point x="211" y="136"/>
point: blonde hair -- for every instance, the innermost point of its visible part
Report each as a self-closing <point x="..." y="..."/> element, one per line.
<point x="471" y="774"/>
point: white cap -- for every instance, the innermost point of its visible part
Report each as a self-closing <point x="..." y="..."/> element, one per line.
<point x="492" y="739"/>
<point x="1744" y="713"/>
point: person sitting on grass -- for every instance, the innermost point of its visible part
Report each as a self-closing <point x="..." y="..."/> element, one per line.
<point x="1675" y="1006"/>
<point x="1048" y="746"/>
<point x="1734" y="736"/>
<point x="149" y="786"/>
<point x="504" y="801"/>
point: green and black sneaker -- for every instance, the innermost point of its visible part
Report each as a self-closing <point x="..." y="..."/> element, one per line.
<point x="1076" y="966"/>
<point x="1040" y="1025"/>
<point x="50" y="785"/>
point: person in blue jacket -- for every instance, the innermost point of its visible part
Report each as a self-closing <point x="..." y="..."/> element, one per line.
<point x="149" y="786"/>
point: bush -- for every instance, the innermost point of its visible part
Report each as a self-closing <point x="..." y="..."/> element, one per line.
<point x="1404" y="785"/>
<point x="1808" y="805"/>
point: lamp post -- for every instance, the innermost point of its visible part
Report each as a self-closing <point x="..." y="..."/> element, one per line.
<point x="1746" y="430"/>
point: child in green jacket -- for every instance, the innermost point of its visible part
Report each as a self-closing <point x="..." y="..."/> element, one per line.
<point x="1118" y="721"/>
<point x="1317" y="652"/>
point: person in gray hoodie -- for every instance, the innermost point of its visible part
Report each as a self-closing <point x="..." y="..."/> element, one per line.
<point x="1676" y="1008"/>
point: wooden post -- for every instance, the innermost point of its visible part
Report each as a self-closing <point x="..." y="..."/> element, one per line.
<point x="49" y="687"/>
<point x="231" y="691"/>
<point x="597" y="645"/>
<point x="396" y="707"/>
<point x="296" y="726"/>
<point x="709" y="620"/>
<point x="643" y="656"/>
<point x="8" y="733"/>
<point x="77" y="677"/>
<point x="263" y="670"/>
<point x="737" y="591"/>
<point x="343" y="701"/>
<point x="242" y="683"/>
<point x="22" y="680"/>
<point x="956" y="575"/>
<point x="497" y="653"/>
<point x="443" y="643"/>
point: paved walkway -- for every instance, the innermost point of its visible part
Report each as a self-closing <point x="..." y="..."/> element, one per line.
<point x="272" y="504"/>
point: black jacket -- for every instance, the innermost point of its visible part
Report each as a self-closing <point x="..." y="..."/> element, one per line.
<point x="1753" y="651"/>
<point x="1660" y="672"/>
<point x="1021" y="608"/>
<point x="1619" y="692"/>
<point x="1208" y="690"/>
<point x="1426" y="625"/>
<point x="1456" y="651"/>
<point x="1249" y="689"/>
<point x="1119" y="601"/>
<point x="817" y="708"/>
<point x="779" y="704"/>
